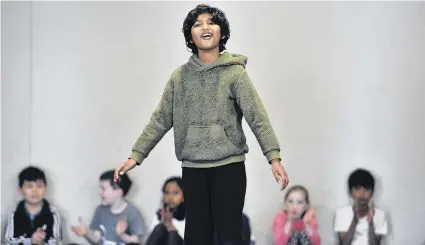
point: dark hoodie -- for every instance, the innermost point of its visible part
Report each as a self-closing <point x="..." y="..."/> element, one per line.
<point x="205" y="103"/>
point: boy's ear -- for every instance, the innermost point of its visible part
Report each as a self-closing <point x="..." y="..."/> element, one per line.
<point x="121" y="191"/>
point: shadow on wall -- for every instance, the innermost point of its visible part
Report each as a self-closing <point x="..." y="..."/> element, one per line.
<point x="389" y="238"/>
<point x="3" y="230"/>
<point x="377" y="195"/>
<point x="49" y="197"/>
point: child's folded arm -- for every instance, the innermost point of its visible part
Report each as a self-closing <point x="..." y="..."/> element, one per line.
<point x="130" y="238"/>
<point x="280" y="234"/>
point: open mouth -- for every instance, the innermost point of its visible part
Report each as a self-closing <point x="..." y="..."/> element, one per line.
<point x="206" y="36"/>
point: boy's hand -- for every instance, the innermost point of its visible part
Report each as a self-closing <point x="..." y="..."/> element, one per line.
<point x="166" y="215"/>
<point x="309" y="215"/>
<point x="371" y="211"/>
<point x="121" y="227"/>
<point x="38" y="237"/>
<point x="361" y="207"/>
<point x="123" y="168"/>
<point x="280" y="174"/>
<point x="80" y="229"/>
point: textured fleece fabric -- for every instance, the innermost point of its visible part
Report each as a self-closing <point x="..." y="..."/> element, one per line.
<point x="204" y="104"/>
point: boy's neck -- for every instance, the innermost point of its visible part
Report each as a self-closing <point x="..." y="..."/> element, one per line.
<point x="210" y="56"/>
<point x="33" y="209"/>
<point x="119" y="205"/>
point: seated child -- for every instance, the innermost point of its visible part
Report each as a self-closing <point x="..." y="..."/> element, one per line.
<point x="360" y="223"/>
<point x="34" y="220"/>
<point x="296" y="224"/>
<point x="115" y="221"/>
<point x="168" y="224"/>
<point x="247" y="237"/>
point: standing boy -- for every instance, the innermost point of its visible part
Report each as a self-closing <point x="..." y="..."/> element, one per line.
<point x="205" y="101"/>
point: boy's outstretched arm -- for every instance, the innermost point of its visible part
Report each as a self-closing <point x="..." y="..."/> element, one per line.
<point x="159" y="124"/>
<point x="256" y="116"/>
<point x="258" y="120"/>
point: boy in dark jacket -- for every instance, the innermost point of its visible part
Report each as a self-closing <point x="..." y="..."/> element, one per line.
<point x="34" y="220"/>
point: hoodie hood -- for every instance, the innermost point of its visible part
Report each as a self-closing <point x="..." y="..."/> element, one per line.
<point x="226" y="59"/>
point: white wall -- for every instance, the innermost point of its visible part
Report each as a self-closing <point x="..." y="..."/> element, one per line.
<point x="342" y="82"/>
<point x="15" y="99"/>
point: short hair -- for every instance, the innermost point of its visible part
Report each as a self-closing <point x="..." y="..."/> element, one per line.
<point x="298" y="188"/>
<point x="176" y="179"/>
<point x="124" y="183"/>
<point x="218" y="18"/>
<point x="31" y="173"/>
<point x="361" y="178"/>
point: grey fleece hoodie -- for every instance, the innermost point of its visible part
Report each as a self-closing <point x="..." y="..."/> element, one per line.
<point x="205" y="103"/>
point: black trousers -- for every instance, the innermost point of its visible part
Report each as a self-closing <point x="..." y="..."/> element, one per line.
<point x="161" y="236"/>
<point x="214" y="199"/>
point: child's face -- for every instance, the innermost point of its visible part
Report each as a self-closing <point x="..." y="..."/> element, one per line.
<point x="173" y="194"/>
<point x="361" y="195"/>
<point x="204" y="25"/>
<point x="296" y="204"/>
<point x="33" y="191"/>
<point x="108" y="194"/>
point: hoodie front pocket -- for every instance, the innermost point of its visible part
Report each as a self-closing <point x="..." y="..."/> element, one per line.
<point x="207" y="143"/>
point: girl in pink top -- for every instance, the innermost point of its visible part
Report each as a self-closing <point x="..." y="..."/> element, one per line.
<point x="296" y="224"/>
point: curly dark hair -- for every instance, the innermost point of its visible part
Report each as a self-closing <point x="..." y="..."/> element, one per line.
<point x="218" y="17"/>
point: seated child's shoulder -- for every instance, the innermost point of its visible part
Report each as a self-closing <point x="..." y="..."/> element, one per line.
<point x="132" y="209"/>
<point x="379" y="213"/>
<point x="345" y="211"/>
<point x="20" y="207"/>
<point x="348" y="210"/>
<point x="53" y="209"/>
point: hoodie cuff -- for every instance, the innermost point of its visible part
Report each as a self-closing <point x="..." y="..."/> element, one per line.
<point x="137" y="156"/>
<point x="271" y="155"/>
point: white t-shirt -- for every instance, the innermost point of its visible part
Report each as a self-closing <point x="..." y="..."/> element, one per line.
<point x="344" y="216"/>
<point x="178" y="224"/>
